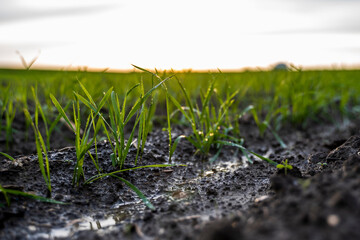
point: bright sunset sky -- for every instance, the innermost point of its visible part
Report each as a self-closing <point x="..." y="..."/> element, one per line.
<point x="196" y="34"/>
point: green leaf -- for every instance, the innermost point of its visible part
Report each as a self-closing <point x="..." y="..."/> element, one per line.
<point x="137" y="191"/>
<point x="33" y="196"/>
<point x="8" y="156"/>
<point x="243" y="148"/>
<point x="7" y="199"/>
<point x="87" y="94"/>
<point x="96" y="177"/>
<point x="176" y="142"/>
<point x="62" y="112"/>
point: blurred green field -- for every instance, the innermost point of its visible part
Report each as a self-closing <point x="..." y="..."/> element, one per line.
<point x="294" y="96"/>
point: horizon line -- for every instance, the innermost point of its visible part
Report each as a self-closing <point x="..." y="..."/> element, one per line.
<point x="84" y="68"/>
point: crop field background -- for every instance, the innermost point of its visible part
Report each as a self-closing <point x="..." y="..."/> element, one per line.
<point x="294" y="96"/>
<point x="272" y="98"/>
<point x="206" y="109"/>
<point x="212" y="104"/>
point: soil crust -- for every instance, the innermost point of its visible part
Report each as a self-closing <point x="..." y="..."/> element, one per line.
<point x="228" y="199"/>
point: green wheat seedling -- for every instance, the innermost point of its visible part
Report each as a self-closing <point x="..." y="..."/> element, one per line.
<point x="119" y="119"/>
<point x="48" y="128"/>
<point x="206" y="122"/>
<point x="40" y="148"/>
<point x="10" y="113"/>
<point x="7" y="156"/>
<point x="265" y="124"/>
<point x="172" y="145"/>
<point x="4" y="99"/>
<point x="6" y="192"/>
<point x="232" y="144"/>
<point x="146" y="115"/>
<point x="118" y="122"/>
<point x="82" y="143"/>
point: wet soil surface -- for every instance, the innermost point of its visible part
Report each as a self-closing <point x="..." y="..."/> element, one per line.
<point x="228" y="199"/>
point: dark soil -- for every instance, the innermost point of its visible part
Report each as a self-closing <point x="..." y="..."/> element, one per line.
<point x="225" y="200"/>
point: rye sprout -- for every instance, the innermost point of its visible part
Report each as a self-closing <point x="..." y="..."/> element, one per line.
<point x="5" y="93"/>
<point x="7" y="156"/>
<point x="265" y="124"/>
<point x="172" y="145"/>
<point x="84" y="143"/>
<point x="6" y="192"/>
<point x="10" y="112"/>
<point x="40" y="147"/>
<point x="206" y="123"/>
<point x="48" y="129"/>
<point x="232" y="144"/>
<point x="119" y="119"/>
<point x="146" y="115"/>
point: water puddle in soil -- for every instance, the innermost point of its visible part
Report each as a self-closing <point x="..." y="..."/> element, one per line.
<point x="81" y="224"/>
<point x="121" y="211"/>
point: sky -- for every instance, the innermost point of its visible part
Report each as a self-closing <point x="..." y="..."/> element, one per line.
<point x="186" y="34"/>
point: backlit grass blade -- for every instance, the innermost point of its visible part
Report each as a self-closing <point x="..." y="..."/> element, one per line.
<point x="179" y="108"/>
<point x="7" y="199"/>
<point x="173" y="147"/>
<point x="62" y="112"/>
<point x="96" y="177"/>
<point x="55" y="122"/>
<point x="29" y="195"/>
<point x="8" y="156"/>
<point x="188" y="102"/>
<point x="277" y="137"/>
<point x="116" y="107"/>
<point x="40" y="148"/>
<point x="206" y="100"/>
<point x="87" y="94"/>
<point x="143" y="99"/>
<point x="169" y="124"/>
<point x="243" y="148"/>
<point x="137" y="191"/>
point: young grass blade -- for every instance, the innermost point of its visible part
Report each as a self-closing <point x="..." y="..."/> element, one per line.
<point x="169" y="124"/>
<point x="206" y="100"/>
<point x="180" y="108"/>
<point x="137" y="191"/>
<point x="8" y="156"/>
<point x="96" y="177"/>
<point x="277" y="137"/>
<point x="62" y="112"/>
<point x="243" y="148"/>
<point x="154" y="74"/>
<point x="247" y="109"/>
<point x="40" y="148"/>
<point x="115" y="104"/>
<point x="173" y="147"/>
<point x="55" y="122"/>
<point x="7" y="199"/>
<point x="87" y="94"/>
<point x="33" y="196"/>
<point x="138" y="104"/>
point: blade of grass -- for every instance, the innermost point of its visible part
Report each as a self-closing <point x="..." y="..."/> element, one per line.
<point x="137" y="191"/>
<point x="62" y="112"/>
<point x="8" y="156"/>
<point x="243" y="148"/>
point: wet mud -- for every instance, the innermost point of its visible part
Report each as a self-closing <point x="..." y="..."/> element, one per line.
<point x="228" y="199"/>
